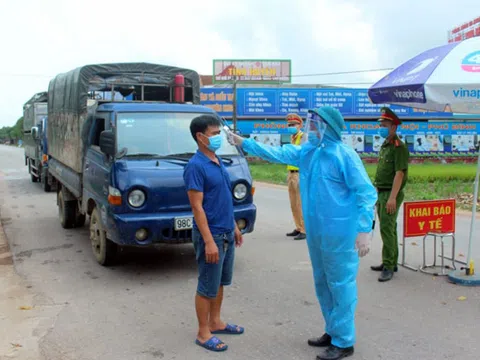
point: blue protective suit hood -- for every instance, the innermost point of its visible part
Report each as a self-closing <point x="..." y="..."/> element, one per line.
<point x="334" y="120"/>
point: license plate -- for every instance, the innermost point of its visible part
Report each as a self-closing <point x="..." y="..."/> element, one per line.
<point x="183" y="223"/>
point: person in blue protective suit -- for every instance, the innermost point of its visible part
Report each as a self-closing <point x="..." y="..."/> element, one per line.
<point x="338" y="203"/>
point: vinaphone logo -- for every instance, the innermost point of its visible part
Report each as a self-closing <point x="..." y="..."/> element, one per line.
<point x="467" y="93"/>
<point x="409" y="95"/>
<point x="471" y="62"/>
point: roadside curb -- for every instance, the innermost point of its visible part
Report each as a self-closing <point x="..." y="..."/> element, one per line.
<point x="6" y="257"/>
<point x="459" y="212"/>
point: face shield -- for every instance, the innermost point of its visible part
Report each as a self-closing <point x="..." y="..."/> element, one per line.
<point x="315" y="128"/>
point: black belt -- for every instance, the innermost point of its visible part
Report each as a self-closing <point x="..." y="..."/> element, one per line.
<point x="293" y="171"/>
<point x="383" y="190"/>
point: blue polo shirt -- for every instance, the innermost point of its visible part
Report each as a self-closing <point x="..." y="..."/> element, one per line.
<point x="202" y="174"/>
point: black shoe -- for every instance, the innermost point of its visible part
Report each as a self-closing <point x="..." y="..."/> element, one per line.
<point x="301" y="236"/>
<point x="335" y="353"/>
<point x="385" y="275"/>
<point x="294" y="233"/>
<point x="380" y="268"/>
<point x="322" y="341"/>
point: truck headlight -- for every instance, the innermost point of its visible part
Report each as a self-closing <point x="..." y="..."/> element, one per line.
<point x="136" y="198"/>
<point x="240" y="191"/>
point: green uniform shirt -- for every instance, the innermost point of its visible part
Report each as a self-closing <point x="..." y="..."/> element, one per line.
<point x="393" y="157"/>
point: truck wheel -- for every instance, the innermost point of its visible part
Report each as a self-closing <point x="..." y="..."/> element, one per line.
<point x="66" y="211"/>
<point x="104" y="250"/>
<point x="44" y="179"/>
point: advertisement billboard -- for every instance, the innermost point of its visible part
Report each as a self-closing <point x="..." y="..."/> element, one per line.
<point x="278" y="102"/>
<point x="421" y="137"/>
<point x="252" y="71"/>
<point x="464" y="31"/>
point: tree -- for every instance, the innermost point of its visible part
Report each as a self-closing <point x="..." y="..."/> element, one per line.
<point x="9" y="133"/>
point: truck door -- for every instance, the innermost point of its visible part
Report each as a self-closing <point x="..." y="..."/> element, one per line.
<point x="97" y="168"/>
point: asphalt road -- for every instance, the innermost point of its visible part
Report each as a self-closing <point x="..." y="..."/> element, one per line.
<point x="143" y="309"/>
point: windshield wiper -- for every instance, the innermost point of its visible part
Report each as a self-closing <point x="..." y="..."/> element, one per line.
<point x="186" y="154"/>
<point x="143" y="154"/>
<point x="180" y="157"/>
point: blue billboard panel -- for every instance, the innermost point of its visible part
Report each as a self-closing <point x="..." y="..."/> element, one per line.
<point x="293" y="102"/>
<point x="367" y="127"/>
<point x="257" y="102"/>
<point x="278" y="102"/>
<point x="220" y="100"/>
<point x="420" y="136"/>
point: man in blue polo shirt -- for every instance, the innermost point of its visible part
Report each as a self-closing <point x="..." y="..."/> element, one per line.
<point x="215" y="233"/>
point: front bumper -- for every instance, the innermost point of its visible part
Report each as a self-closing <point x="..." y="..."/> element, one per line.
<point x="121" y="228"/>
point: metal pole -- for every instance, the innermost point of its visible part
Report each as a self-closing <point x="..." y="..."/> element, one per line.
<point x="474" y="211"/>
<point x="234" y="110"/>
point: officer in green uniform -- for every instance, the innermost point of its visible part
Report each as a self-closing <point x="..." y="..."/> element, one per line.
<point x="390" y="180"/>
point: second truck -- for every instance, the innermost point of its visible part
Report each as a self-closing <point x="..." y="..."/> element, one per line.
<point x="35" y="139"/>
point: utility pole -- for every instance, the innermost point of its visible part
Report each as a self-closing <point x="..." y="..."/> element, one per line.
<point x="234" y="102"/>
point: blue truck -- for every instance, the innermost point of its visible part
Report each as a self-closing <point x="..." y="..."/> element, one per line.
<point x="35" y="139"/>
<point x="118" y="142"/>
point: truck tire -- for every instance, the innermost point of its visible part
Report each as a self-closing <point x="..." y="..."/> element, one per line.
<point x="44" y="179"/>
<point x="66" y="211"/>
<point x="104" y="250"/>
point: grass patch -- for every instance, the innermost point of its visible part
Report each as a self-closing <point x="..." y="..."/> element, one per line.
<point x="427" y="181"/>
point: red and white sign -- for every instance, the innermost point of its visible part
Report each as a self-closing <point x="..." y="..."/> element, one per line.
<point x="252" y="71"/>
<point x="421" y="217"/>
<point x="465" y="31"/>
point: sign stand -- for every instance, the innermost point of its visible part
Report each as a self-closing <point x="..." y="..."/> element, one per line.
<point x="429" y="218"/>
<point x="403" y="263"/>
<point x="436" y="235"/>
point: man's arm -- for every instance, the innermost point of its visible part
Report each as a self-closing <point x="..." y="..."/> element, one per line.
<point x="357" y="179"/>
<point x="238" y="235"/>
<point x="397" y="183"/>
<point x="401" y="165"/>
<point x="287" y="154"/>
<point x="196" y="201"/>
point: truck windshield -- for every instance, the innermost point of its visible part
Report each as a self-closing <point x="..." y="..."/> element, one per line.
<point x="162" y="134"/>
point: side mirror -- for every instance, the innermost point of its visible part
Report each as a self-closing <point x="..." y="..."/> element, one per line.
<point x="107" y="142"/>
<point x="34" y="132"/>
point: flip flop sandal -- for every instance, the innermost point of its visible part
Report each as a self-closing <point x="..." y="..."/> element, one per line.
<point x="212" y="344"/>
<point x="230" y="329"/>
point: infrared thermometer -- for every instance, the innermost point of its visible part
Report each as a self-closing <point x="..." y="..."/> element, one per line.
<point x="230" y="138"/>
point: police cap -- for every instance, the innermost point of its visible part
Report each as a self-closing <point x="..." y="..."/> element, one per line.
<point x="388" y="114"/>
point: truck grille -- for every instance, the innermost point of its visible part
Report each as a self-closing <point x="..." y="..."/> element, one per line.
<point x="176" y="237"/>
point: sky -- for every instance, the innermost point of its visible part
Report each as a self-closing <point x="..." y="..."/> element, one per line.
<point x="41" y="38"/>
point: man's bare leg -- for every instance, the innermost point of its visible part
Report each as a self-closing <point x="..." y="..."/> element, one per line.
<point x="215" y="322"/>
<point x="203" y="307"/>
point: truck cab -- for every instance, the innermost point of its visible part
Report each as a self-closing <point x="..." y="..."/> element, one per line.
<point x="134" y="173"/>
<point x="119" y="156"/>
<point x="39" y="134"/>
<point x="35" y="133"/>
